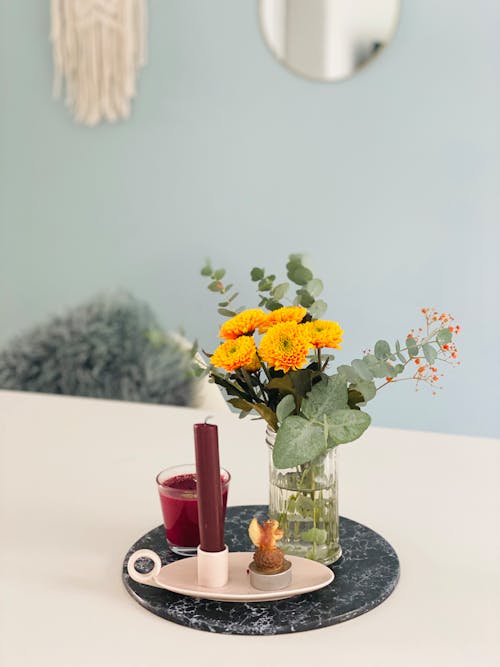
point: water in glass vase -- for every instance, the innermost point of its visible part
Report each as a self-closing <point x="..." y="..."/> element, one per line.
<point x="304" y="501"/>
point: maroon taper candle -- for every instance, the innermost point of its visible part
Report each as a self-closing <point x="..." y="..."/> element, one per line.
<point x="209" y="488"/>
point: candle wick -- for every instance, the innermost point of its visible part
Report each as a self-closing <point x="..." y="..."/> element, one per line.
<point x="207" y="418"/>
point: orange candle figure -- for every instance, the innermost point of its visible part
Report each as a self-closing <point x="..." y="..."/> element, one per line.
<point x="269" y="569"/>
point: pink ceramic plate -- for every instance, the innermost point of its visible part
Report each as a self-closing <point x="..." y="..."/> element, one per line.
<point x="180" y="577"/>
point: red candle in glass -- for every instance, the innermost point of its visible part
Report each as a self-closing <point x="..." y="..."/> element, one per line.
<point x="210" y="510"/>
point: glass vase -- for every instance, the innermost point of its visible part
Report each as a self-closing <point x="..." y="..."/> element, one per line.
<point x="304" y="501"/>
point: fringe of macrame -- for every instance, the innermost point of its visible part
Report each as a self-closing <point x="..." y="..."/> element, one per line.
<point x="98" y="48"/>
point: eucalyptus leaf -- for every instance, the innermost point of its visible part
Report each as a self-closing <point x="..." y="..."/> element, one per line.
<point x="444" y="337"/>
<point x="305" y="299"/>
<point x="354" y="400"/>
<point x="226" y="312"/>
<point x="297" y="441"/>
<point x="362" y="369"/>
<point x="318" y="309"/>
<point x="315" y="287"/>
<point x="265" y="285"/>
<point x="219" y="274"/>
<point x="349" y="373"/>
<point x="430" y="352"/>
<point x="215" y="286"/>
<point x="256" y="274"/>
<point x="300" y="275"/>
<point x="346" y="426"/>
<point x="314" y="535"/>
<point x="206" y="270"/>
<point x="367" y="389"/>
<point x="382" y="350"/>
<point x="325" y="397"/>
<point x="285" y="407"/>
<point x="412" y="346"/>
<point x="304" y="505"/>
<point x="279" y="291"/>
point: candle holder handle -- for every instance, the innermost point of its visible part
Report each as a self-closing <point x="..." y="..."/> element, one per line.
<point x="149" y="577"/>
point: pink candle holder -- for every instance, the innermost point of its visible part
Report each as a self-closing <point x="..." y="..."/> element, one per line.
<point x="179" y="504"/>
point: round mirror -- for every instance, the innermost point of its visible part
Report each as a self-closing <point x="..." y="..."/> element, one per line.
<point x="327" y="40"/>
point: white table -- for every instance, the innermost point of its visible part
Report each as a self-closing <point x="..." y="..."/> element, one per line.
<point x="77" y="489"/>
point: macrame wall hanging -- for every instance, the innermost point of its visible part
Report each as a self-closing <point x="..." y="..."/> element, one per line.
<point x="98" y="48"/>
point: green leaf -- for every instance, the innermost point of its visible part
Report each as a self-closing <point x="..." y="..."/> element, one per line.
<point x="324" y="398"/>
<point x="315" y="287"/>
<point x="362" y="369"/>
<point x="302" y="381"/>
<point x="256" y="274"/>
<point x="444" y="337"/>
<point x="430" y="352"/>
<point x="389" y="370"/>
<point x="318" y="308"/>
<point x="220" y="273"/>
<point x="412" y="346"/>
<point x="215" y="286"/>
<point x="271" y="304"/>
<point x="241" y="404"/>
<point x="300" y="275"/>
<point x="367" y="389"/>
<point x="283" y="384"/>
<point x="398" y="353"/>
<point x="206" y="270"/>
<point x="279" y="291"/>
<point x="267" y="414"/>
<point x="398" y="369"/>
<point x="346" y="426"/>
<point x="304" y="506"/>
<point x="349" y="373"/>
<point x="297" y="441"/>
<point x="314" y="535"/>
<point x="230" y="388"/>
<point x="285" y="407"/>
<point x="226" y="312"/>
<point x="265" y="284"/>
<point x="382" y="350"/>
<point x="232" y="297"/>
<point x="305" y="299"/>
<point x="354" y="398"/>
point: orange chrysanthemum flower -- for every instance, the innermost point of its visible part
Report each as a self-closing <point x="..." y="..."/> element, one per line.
<point x="233" y="354"/>
<point x="324" y="333"/>
<point x="243" y="323"/>
<point x="285" y="346"/>
<point x="286" y="314"/>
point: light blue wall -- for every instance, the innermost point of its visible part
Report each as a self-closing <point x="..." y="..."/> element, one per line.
<point x="389" y="181"/>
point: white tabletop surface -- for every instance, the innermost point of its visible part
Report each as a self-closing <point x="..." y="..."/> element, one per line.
<point x="77" y="489"/>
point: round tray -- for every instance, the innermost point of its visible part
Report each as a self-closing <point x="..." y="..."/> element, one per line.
<point x="365" y="576"/>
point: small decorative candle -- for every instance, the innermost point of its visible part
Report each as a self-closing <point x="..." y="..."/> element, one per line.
<point x="210" y="508"/>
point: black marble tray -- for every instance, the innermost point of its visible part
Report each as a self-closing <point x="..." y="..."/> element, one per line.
<point x="365" y="576"/>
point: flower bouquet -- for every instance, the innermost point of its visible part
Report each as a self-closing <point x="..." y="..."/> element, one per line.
<point x="273" y="361"/>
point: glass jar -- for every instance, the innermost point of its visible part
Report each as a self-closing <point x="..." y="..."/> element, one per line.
<point x="304" y="501"/>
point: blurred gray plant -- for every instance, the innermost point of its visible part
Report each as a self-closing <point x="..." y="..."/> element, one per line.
<point x="111" y="347"/>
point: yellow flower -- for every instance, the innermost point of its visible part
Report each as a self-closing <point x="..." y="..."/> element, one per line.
<point x="233" y="354"/>
<point x="286" y="314"/>
<point x="323" y="333"/>
<point x="285" y="346"/>
<point x="243" y="323"/>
